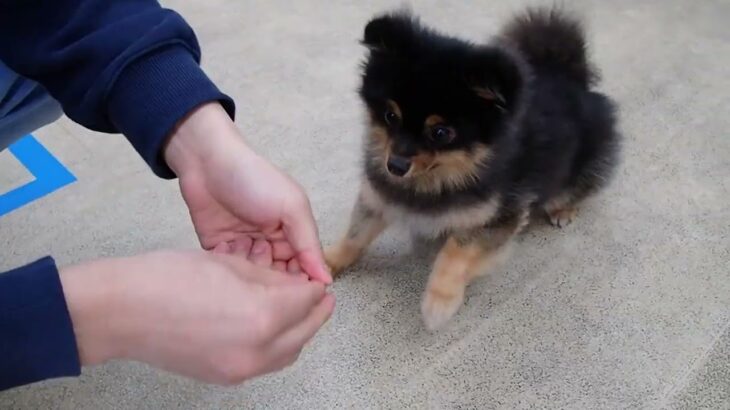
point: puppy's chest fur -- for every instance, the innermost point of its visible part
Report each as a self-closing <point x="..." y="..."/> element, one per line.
<point x="432" y="223"/>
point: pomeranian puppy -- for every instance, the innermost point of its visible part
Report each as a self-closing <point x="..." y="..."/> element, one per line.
<point x="467" y="141"/>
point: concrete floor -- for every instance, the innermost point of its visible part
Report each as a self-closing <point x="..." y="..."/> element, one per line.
<point x="629" y="307"/>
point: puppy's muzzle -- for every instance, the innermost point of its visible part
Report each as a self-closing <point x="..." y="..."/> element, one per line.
<point x="398" y="166"/>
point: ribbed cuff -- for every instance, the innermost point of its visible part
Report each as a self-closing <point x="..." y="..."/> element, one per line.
<point x="153" y="94"/>
<point x="37" y="340"/>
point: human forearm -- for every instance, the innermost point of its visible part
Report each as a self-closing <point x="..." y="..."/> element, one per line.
<point x="127" y="67"/>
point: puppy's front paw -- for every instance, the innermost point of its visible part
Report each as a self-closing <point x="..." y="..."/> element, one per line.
<point x="339" y="257"/>
<point x="438" y="307"/>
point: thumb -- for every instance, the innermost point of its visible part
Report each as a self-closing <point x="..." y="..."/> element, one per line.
<point x="301" y="232"/>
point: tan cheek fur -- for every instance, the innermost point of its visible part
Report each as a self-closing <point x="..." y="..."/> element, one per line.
<point x="433" y="173"/>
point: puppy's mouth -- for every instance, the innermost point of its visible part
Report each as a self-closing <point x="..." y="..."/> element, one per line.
<point x="407" y="167"/>
<point x="434" y="171"/>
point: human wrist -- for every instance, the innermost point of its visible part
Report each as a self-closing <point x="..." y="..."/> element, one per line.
<point x="203" y="133"/>
<point x="92" y="294"/>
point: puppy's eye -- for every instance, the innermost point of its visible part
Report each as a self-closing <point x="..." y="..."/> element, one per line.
<point x="391" y="118"/>
<point x="442" y="135"/>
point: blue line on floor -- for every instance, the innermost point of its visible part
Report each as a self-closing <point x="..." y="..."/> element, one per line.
<point x="49" y="174"/>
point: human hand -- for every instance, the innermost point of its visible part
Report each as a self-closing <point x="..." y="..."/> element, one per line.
<point x="238" y="201"/>
<point x="213" y="317"/>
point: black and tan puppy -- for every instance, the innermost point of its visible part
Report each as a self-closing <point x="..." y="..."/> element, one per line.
<point x="468" y="141"/>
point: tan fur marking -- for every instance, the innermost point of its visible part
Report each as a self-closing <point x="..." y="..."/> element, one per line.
<point x="448" y="280"/>
<point x="379" y="135"/>
<point x="434" y="120"/>
<point x="366" y="223"/>
<point x="559" y="201"/>
<point x="432" y="173"/>
<point x="369" y="197"/>
<point x="421" y="163"/>
<point x="449" y="274"/>
<point x="458" y="263"/>
<point x="561" y="210"/>
<point x="342" y="255"/>
<point x="562" y="217"/>
<point x="346" y="252"/>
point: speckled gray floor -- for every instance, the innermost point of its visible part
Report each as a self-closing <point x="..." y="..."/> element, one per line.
<point x="627" y="308"/>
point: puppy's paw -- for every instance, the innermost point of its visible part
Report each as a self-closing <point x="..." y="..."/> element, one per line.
<point x="562" y="217"/>
<point x="339" y="257"/>
<point x="438" y="307"/>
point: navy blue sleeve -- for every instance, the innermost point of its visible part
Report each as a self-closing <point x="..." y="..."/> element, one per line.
<point x="37" y="341"/>
<point x="128" y="67"/>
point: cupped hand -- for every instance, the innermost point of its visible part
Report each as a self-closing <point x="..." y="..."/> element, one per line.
<point x="239" y="202"/>
<point x="213" y="317"/>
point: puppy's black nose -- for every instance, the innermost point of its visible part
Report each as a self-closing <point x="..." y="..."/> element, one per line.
<point x="398" y="166"/>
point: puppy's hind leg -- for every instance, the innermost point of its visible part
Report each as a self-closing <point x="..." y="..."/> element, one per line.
<point x="366" y="224"/>
<point x="591" y="177"/>
<point x="561" y="210"/>
<point x="594" y="164"/>
<point x="463" y="258"/>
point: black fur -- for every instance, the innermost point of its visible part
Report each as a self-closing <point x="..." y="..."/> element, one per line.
<point x="548" y="132"/>
<point x="552" y="41"/>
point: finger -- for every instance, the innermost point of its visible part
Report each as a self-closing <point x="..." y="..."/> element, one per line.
<point x="301" y="232"/>
<point x="275" y="235"/>
<point x="276" y="278"/>
<point x="294" y="302"/>
<point x="293" y="266"/>
<point x="311" y="264"/>
<point x="282" y="250"/>
<point x="222" y="247"/>
<point x="279" y="266"/>
<point x="295" y="338"/>
<point x="261" y="253"/>
<point x="246" y="270"/>
<point x="242" y="246"/>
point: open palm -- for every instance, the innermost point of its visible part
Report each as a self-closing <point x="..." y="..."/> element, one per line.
<point x="239" y="202"/>
<point x="247" y="206"/>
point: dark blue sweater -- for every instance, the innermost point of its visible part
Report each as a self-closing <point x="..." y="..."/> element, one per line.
<point x="127" y="67"/>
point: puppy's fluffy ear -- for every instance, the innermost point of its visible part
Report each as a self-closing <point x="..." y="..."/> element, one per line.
<point x="497" y="77"/>
<point x="394" y="33"/>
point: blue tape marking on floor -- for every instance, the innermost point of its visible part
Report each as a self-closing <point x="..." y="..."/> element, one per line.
<point x="49" y="174"/>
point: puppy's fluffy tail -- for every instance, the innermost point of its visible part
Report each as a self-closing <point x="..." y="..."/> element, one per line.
<point x="550" y="38"/>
